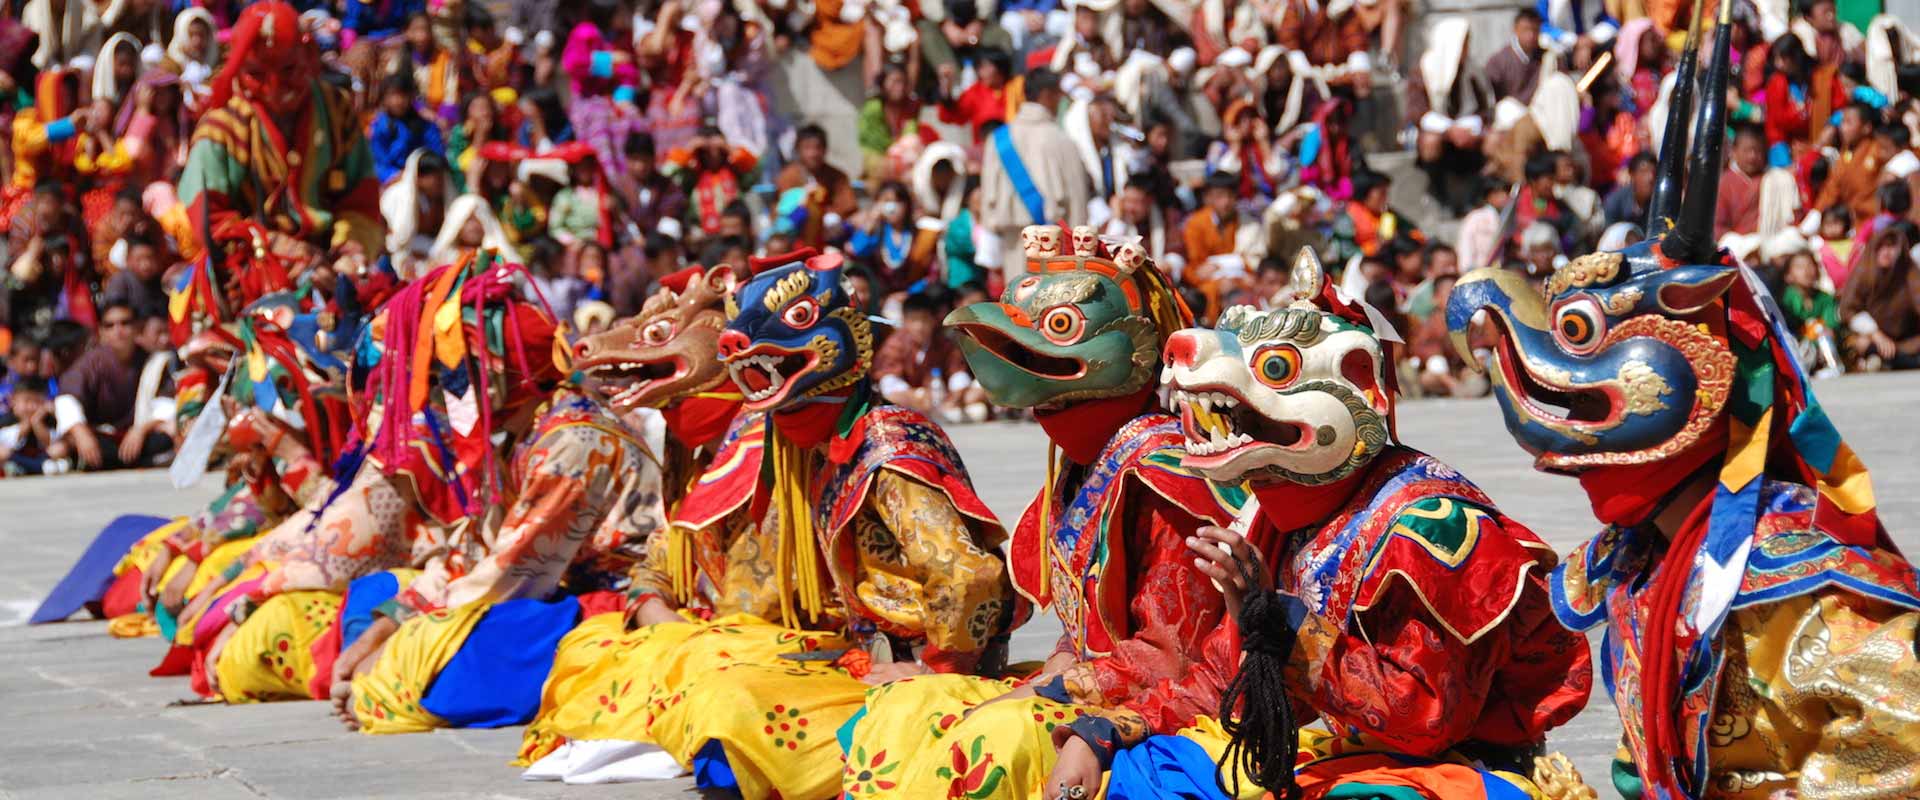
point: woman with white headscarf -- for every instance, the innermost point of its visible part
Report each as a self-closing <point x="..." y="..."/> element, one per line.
<point x="469" y="225"/>
<point x="193" y="51"/>
<point x="1448" y="103"/>
<point x="116" y="69"/>
<point x="415" y="207"/>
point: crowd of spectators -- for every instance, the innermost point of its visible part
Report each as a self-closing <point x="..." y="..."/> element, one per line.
<point x="610" y="142"/>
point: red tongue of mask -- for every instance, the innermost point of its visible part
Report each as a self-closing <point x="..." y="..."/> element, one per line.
<point x="1081" y="430"/>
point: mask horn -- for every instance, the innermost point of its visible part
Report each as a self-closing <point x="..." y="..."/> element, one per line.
<point x="1671" y="174"/>
<point x="1691" y="240"/>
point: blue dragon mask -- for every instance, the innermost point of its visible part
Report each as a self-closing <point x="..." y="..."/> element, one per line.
<point x="793" y="332"/>
<point x="1622" y="358"/>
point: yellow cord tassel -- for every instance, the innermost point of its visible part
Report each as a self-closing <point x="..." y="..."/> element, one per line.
<point x="796" y="565"/>
<point x="1046" y="520"/>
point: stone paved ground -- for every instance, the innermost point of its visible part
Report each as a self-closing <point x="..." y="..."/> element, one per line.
<point x="82" y="720"/>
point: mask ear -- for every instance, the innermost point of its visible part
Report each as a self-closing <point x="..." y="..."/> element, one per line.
<point x="1685" y="293"/>
<point x="721" y="279"/>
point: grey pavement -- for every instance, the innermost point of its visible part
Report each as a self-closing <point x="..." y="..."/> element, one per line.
<point x="82" y="719"/>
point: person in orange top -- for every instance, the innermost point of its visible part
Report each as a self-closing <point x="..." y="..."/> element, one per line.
<point x="1855" y="173"/>
<point x="1214" y="265"/>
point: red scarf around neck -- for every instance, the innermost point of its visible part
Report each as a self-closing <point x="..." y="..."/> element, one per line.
<point x="696" y="421"/>
<point x="1289" y="506"/>
<point x="1082" y="430"/>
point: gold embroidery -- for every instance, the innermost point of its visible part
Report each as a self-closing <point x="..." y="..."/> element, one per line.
<point x="1592" y="269"/>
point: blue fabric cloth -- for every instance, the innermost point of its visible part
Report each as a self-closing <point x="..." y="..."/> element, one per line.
<point x="1164" y="767"/>
<point x="363" y="596"/>
<point x="93" y="573"/>
<point x="393" y="139"/>
<point x="711" y="770"/>
<point x="495" y="679"/>
<point x="380" y="18"/>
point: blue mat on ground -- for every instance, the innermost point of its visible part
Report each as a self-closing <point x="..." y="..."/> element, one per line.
<point x="495" y="679"/>
<point x="363" y="596"/>
<point x="1164" y="767"/>
<point x="93" y="573"/>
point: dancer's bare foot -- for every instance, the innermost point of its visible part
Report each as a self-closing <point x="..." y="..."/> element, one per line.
<point x="341" y="696"/>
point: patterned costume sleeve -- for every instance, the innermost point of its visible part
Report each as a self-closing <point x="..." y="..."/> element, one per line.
<point x="651" y="575"/>
<point x="572" y="477"/>
<point x="1843" y="667"/>
<point x="213" y="175"/>
<point x="1173" y="609"/>
<point x="962" y="591"/>
<point x="1168" y="705"/>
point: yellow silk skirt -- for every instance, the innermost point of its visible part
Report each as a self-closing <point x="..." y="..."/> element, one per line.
<point x="387" y="698"/>
<point x="939" y="736"/>
<point x="141" y="623"/>
<point x="609" y="682"/>
<point x="777" y="723"/>
<point x="270" y="656"/>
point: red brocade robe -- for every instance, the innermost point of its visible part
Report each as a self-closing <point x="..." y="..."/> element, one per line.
<point x="1114" y="566"/>
<point x="1428" y="622"/>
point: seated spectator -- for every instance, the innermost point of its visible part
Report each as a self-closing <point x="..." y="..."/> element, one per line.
<point x="1539" y="202"/>
<point x="1247" y="151"/>
<point x="138" y="286"/>
<point x="1581" y="201"/>
<point x="1737" y="208"/>
<point x="557" y="274"/>
<point x="1540" y="252"/>
<point x="1628" y="201"/>
<point x="887" y="116"/>
<point x="712" y="173"/>
<point x="1479" y="240"/>
<point x="918" y="367"/>
<point x="1813" y="315"/>
<point x="809" y="168"/>
<point x="582" y="212"/>
<point x="1855" y="173"/>
<point x="1880" y="303"/>
<point x="96" y="409"/>
<point x="1324" y="151"/>
<point x="1369" y="222"/>
<point x="1513" y="70"/>
<point x="1440" y="370"/>
<point x="1326" y="38"/>
<point x="27" y="443"/>
<point x="1835" y="247"/>
<point x="897" y="250"/>
<point x="1610" y="135"/>
<point x="1449" y="104"/>
<point x="1216" y="243"/>
<point x="1139" y="216"/>
<point x="654" y="197"/>
<point x="398" y="129"/>
<point x="987" y="100"/>
<point x="972" y="250"/>
<point x="23" y="361"/>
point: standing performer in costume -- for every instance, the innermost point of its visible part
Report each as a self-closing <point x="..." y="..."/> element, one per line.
<point x="1760" y="624"/>
<point x="1403" y="608"/>
<point x="278" y="166"/>
<point x="1078" y="339"/>
<point x="878" y="536"/>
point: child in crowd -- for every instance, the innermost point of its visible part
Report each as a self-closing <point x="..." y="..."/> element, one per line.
<point x="919" y="368"/>
<point x="1812" y="314"/>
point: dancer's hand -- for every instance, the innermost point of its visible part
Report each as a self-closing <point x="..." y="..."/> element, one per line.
<point x="898" y="670"/>
<point x="1234" y="565"/>
<point x="651" y="611"/>
<point x="1076" y="776"/>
